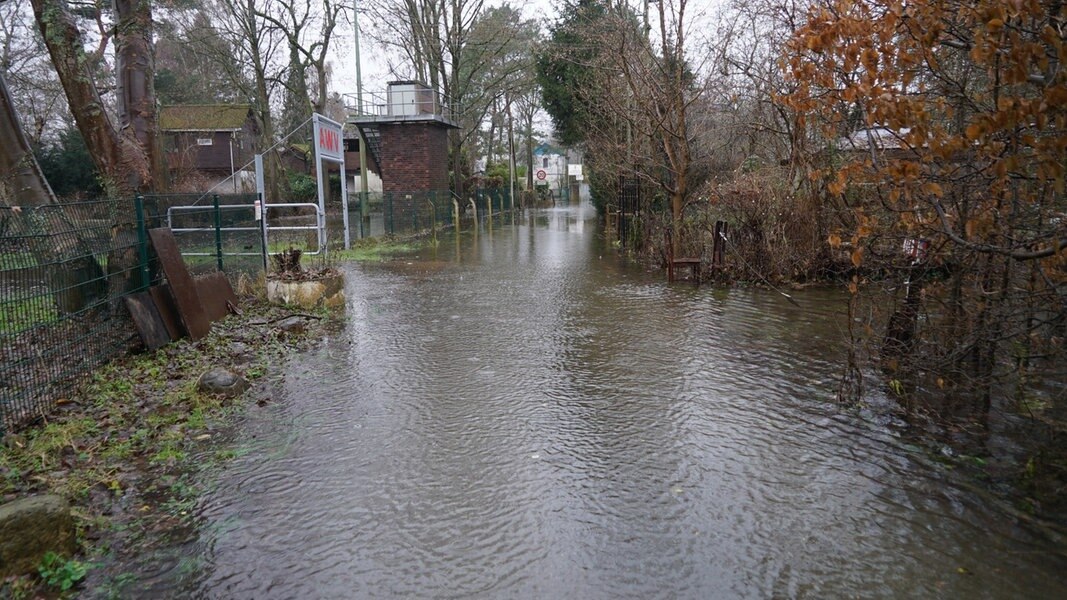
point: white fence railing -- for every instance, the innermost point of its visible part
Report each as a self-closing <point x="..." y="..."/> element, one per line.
<point x="318" y="226"/>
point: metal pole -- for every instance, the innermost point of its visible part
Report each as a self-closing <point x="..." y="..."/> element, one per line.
<point x="218" y="232"/>
<point x="233" y="172"/>
<point x="359" y="70"/>
<point x="363" y="212"/>
<point x="344" y="204"/>
<point x="263" y="233"/>
<point x="321" y="178"/>
<point x="261" y="191"/>
<point x="142" y="242"/>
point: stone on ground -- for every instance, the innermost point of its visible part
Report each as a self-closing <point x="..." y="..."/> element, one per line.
<point x="221" y="380"/>
<point x="30" y="528"/>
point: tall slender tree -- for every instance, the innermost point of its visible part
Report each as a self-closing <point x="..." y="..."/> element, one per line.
<point x="125" y="152"/>
<point x="457" y="47"/>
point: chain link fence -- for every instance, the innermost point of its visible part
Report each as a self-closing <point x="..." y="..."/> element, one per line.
<point x="65" y="268"/>
<point x="399" y="213"/>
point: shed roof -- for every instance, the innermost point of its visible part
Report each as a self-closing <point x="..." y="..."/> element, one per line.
<point x="547" y="148"/>
<point x="882" y="138"/>
<point x="203" y="117"/>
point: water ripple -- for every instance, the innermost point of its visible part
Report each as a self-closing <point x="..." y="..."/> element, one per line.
<point x="518" y="416"/>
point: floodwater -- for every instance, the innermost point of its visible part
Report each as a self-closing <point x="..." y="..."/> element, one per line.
<point x="521" y="415"/>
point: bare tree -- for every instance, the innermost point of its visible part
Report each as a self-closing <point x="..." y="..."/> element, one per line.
<point x="125" y="152"/>
<point x="250" y="59"/>
<point x="457" y="47"/>
<point x="645" y="84"/>
<point x="35" y="91"/>
<point x="308" y="30"/>
<point x="528" y="105"/>
<point x="508" y="72"/>
<point x="187" y="71"/>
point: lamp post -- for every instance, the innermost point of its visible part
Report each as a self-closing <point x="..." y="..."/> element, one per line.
<point x="511" y="160"/>
<point x="359" y="111"/>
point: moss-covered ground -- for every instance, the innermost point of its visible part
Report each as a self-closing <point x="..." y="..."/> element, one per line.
<point x="125" y="450"/>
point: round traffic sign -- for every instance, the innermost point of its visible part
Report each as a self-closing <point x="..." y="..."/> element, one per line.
<point x="541" y="174"/>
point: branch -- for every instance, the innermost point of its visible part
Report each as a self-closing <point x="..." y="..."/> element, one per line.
<point x="1052" y="250"/>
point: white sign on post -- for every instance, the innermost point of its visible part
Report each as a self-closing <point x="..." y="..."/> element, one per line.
<point x="329" y="146"/>
<point x="329" y="143"/>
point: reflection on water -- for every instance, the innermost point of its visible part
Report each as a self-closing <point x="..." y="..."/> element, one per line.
<point x="519" y="414"/>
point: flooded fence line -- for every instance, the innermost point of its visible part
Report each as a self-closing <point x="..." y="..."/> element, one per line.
<point x="66" y="268"/>
<point x="418" y="212"/>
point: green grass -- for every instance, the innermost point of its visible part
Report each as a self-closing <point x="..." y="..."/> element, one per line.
<point x="139" y="413"/>
<point x="20" y="315"/>
<point x="373" y="249"/>
<point x="10" y="261"/>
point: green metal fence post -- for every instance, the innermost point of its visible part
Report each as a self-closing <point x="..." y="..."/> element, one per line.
<point x="389" y="198"/>
<point x="433" y="217"/>
<point x="218" y="232"/>
<point x="364" y="211"/>
<point x="142" y="243"/>
<point x="264" y="248"/>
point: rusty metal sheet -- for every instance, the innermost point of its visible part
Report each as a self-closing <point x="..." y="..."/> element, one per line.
<point x="146" y="317"/>
<point x="182" y="286"/>
<point x="167" y="311"/>
<point x="216" y="294"/>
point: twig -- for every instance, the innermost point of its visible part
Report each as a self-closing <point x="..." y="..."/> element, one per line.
<point x="757" y="273"/>
<point x="305" y="315"/>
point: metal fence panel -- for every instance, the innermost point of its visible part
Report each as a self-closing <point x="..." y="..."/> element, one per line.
<point x="64" y="270"/>
<point x="58" y="317"/>
<point x="399" y="213"/>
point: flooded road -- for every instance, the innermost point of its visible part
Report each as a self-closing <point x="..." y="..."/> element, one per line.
<point x="521" y="415"/>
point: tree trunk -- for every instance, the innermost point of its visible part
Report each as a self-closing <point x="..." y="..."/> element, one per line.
<point x="457" y="164"/>
<point x="511" y="158"/>
<point x="491" y="138"/>
<point x="77" y="279"/>
<point x="135" y="64"/>
<point x="125" y="155"/>
<point x="529" y="151"/>
<point x="297" y="107"/>
<point x="21" y="181"/>
<point x="120" y="159"/>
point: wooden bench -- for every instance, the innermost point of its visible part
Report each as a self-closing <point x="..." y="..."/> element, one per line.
<point x="692" y="263"/>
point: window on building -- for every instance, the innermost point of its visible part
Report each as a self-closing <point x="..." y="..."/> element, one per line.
<point x="544" y="163"/>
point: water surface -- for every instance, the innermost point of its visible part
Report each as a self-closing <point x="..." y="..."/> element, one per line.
<point x="521" y="415"/>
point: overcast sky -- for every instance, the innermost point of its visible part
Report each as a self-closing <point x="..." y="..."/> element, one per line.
<point x="375" y="68"/>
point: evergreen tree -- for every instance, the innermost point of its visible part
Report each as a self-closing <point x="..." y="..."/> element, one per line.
<point x="68" y="167"/>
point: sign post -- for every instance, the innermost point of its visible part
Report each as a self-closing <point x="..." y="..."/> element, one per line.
<point x="261" y="210"/>
<point x="330" y="147"/>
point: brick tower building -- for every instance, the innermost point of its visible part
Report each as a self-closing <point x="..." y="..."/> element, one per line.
<point x="407" y="138"/>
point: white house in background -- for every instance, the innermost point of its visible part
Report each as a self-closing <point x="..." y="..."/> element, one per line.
<point x="550" y="169"/>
